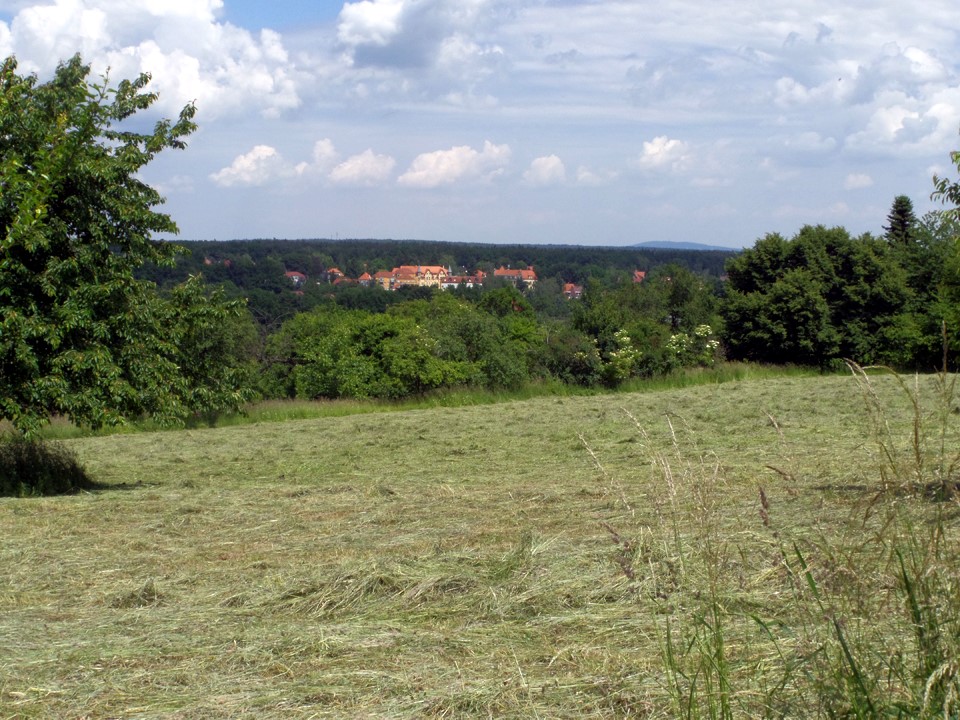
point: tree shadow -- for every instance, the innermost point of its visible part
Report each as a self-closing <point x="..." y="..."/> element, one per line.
<point x="34" y="468"/>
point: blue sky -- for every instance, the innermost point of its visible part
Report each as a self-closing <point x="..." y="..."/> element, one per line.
<point x="285" y="15"/>
<point x="607" y="122"/>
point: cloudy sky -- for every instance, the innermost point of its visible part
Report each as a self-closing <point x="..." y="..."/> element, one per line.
<point x="595" y="122"/>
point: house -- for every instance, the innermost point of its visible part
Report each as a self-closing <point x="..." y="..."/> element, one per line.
<point x="366" y="280"/>
<point x="572" y="291"/>
<point x="639" y="275"/>
<point x="527" y="277"/>
<point x="412" y="275"/>
<point x="297" y="278"/>
<point x="383" y="278"/>
<point x="468" y="281"/>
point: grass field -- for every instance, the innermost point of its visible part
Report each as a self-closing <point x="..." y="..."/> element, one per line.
<point x="712" y="551"/>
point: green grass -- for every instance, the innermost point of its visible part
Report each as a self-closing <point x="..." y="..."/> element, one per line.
<point x="283" y="410"/>
<point x="601" y="556"/>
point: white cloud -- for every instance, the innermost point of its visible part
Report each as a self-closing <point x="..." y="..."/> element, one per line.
<point x="257" y="167"/>
<point x="421" y="48"/>
<point x="548" y="170"/>
<point x="189" y="53"/>
<point x="857" y="181"/>
<point x="324" y="153"/>
<point x="663" y="153"/>
<point x="751" y="103"/>
<point x="264" y="164"/>
<point x="373" y="22"/>
<point x="445" y="167"/>
<point x="366" y="169"/>
<point x="324" y="158"/>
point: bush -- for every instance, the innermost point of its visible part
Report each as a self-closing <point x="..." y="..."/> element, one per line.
<point x="34" y="467"/>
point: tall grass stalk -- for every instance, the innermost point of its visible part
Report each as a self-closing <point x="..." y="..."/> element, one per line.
<point x="923" y="460"/>
<point x="865" y="622"/>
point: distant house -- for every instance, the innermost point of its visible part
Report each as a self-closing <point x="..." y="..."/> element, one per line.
<point x="528" y="277"/>
<point x="412" y="275"/>
<point x="572" y="291"/>
<point x="639" y="275"/>
<point x="366" y="279"/>
<point x="334" y="274"/>
<point x="297" y="278"/>
<point x="468" y="281"/>
<point x="383" y="278"/>
<point x="216" y="261"/>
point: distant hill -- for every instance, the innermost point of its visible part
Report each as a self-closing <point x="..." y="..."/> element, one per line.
<point x="666" y="245"/>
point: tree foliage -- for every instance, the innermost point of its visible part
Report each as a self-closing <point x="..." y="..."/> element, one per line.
<point x="80" y="335"/>
<point x="335" y="353"/>
<point x="947" y="191"/>
<point x="901" y="221"/>
<point x="816" y="299"/>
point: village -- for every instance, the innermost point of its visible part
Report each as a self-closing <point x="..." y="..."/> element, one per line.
<point x="437" y="276"/>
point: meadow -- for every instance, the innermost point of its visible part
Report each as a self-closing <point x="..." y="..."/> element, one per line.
<point x="765" y="547"/>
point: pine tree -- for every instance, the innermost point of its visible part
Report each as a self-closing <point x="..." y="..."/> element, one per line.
<point x="901" y="221"/>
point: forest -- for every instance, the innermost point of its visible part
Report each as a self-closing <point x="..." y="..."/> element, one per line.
<point x="815" y="299"/>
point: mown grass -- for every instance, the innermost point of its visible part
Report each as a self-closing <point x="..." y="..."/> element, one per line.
<point x="60" y="428"/>
<point x="583" y="556"/>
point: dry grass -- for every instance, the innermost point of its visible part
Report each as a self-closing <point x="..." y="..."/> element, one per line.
<point x="516" y="560"/>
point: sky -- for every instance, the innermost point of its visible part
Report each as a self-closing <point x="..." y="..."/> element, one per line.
<point x="588" y="122"/>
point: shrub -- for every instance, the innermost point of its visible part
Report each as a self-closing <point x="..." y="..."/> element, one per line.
<point x="35" y="467"/>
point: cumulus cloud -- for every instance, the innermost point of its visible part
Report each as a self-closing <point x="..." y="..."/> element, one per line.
<point x="795" y="91"/>
<point x="264" y="164"/>
<point x="370" y="22"/>
<point x="189" y="53"/>
<point x="545" y="171"/>
<point x="663" y="153"/>
<point x="324" y="157"/>
<point x="432" y="48"/>
<point x="366" y="169"/>
<point x="445" y="167"/>
<point x="257" y="167"/>
<point x="901" y="125"/>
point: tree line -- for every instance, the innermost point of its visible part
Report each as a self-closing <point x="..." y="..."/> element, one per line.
<point x="99" y="322"/>
<point x="254" y="269"/>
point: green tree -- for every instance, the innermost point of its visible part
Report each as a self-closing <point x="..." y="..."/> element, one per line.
<point x="787" y="323"/>
<point x="947" y="306"/>
<point x="901" y="221"/>
<point x="80" y="335"/>
<point x="216" y="343"/>
<point x="947" y="191"/>
<point x="816" y="299"/>
<point x="336" y="353"/>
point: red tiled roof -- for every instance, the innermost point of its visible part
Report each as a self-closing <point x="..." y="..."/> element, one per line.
<point x="517" y="274"/>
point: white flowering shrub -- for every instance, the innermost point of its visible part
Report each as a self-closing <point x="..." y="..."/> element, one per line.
<point x="622" y="362"/>
<point x="699" y="348"/>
